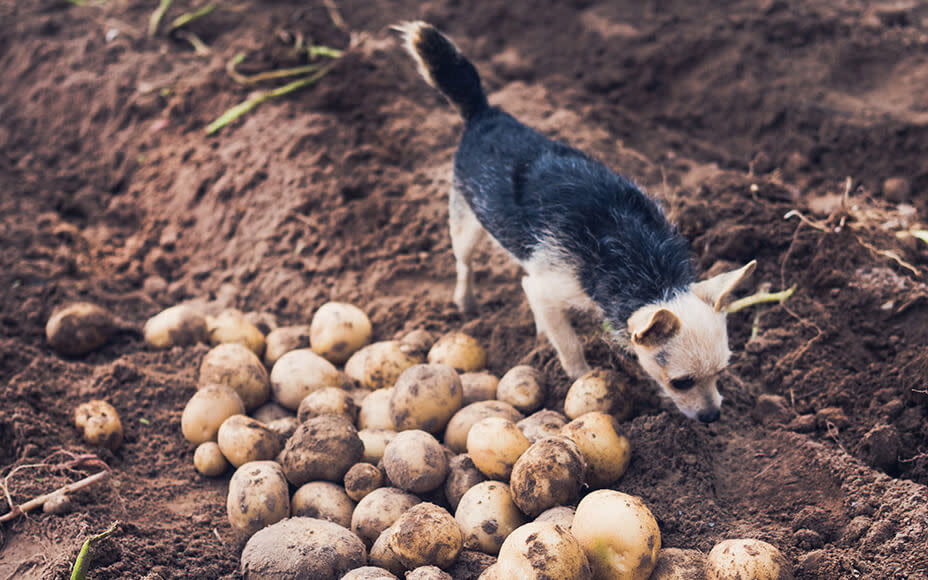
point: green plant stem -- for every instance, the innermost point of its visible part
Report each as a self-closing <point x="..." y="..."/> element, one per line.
<point x="187" y="18"/>
<point x="156" y="17"/>
<point x="265" y="76"/>
<point x="761" y="297"/>
<point x="82" y="564"/>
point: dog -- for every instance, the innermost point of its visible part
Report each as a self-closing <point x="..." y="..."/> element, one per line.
<point x="587" y="238"/>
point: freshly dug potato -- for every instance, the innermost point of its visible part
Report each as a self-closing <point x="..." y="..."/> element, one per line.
<point x="209" y="460"/>
<point x="270" y="411"/>
<point x="79" y="328"/>
<point x="378" y="365"/>
<point x="298" y="548"/>
<point x="285" y="427"/>
<point x="480" y="386"/>
<point x="544" y="423"/>
<point x="242" y="439"/>
<point x="327" y="401"/>
<point x="362" y="479"/>
<point x="487" y="514"/>
<point x="207" y="409"/>
<point x="369" y="573"/>
<point x="428" y="573"/>
<point x="322" y="500"/>
<point x="461" y="422"/>
<point x="425" y="397"/>
<point x="470" y="564"/>
<point x="382" y="554"/>
<point x="495" y="444"/>
<point x="677" y="564"/>
<point x="618" y="533"/>
<point x="299" y="373"/>
<point x="417" y="343"/>
<point x="375" y="411"/>
<point x="236" y="366"/>
<point x="375" y="442"/>
<point x="180" y="325"/>
<point x="605" y="452"/>
<point x="415" y="461"/>
<point x="264" y="321"/>
<point x="747" y="558"/>
<point x="232" y="327"/>
<point x="426" y="534"/>
<point x="282" y="340"/>
<point x="562" y="515"/>
<point x="322" y="448"/>
<point x="539" y="551"/>
<point x="598" y="390"/>
<point x="522" y="387"/>
<point x="258" y="497"/>
<point x="549" y="473"/>
<point x="378" y="510"/>
<point x="462" y="475"/>
<point x="459" y="351"/>
<point x="101" y="424"/>
<point x="338" y="330"/>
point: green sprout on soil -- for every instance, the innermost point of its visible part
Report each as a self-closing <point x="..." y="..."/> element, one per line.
<point x="265" y="76"/>
<point x="82" y="564"/>
<point x="763" y="296"/>
<point x="156" y="17"/>
<point x="188" y="17"/>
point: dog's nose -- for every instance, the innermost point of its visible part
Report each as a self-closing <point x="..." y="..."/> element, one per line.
<point x="709" y="416"/>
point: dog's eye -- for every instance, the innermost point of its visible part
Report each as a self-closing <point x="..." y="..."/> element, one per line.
<point x="683" y="383"/>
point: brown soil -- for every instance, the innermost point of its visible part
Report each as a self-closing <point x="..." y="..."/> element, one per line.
<point x="110" y="192"/>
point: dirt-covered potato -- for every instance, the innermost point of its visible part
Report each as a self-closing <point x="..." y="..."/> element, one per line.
<point x="282" y="340"/>
<point x="462" y="475"/>
<point x="378" y="365"/>
<point x="382" y="554"/>
<point x="101" y="424"/>
<point x="459" y="351"/>
<point x="428" y="573"/>
<point x="415" y="461"/>
<point x="370" y="573"/>
<point x="236" y="366"/>
<point x="285" y="427"/>
<point x="79" y="328"/>
<point x="479" y="386"/>
<point x="544" y="423"/>
<point x="327" y="401"/>
<point x="378" y="510"/>
<point x="462" y="421"/>
<point x="678" y="564"/>
<point x="747" y="558"/>
<point x="538" y="551"/>
<point x="362" y="479"/>
<point x="417" y="343"/>
<point x="618" y="533"/>
<point x="598" y="390"/>
<point x="207" y="409"/>
<point x="302" y="548"/>
<point x="299" y="373"/>
<point x="487" y="514"/>
<point x="495" y="444"/>
<point x="604" y="450"/>
<point x="562" y="515"/>
<point x="270" y="411"/>
<point x="209" y="460"/>
<point x="232" y="327"/>
<point x="322" y="448"/>
<point x="426" y="534"/>
<point x="258" y="497"/>
<point x="425" y="397"/>
<point x="548" y="474"/>
<point x="522" y="387"/>
<point x="242" y="439"/>
<point x="323" y="500"/>
<point x="338" y="330"/>
<point x="375" y="411"/>
<point x="180" y="325"/>
<point x="375" y="442"/>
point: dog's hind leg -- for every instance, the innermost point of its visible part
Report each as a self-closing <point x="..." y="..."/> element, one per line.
<point x="466" y="233"/>
<point x="551" y="320"/>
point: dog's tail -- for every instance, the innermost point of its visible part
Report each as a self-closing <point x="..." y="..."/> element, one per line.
<point x="444" y="67"/>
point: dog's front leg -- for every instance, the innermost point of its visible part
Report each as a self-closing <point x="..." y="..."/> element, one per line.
<point x="466" y="233"/>
<point x="551" y="320"/>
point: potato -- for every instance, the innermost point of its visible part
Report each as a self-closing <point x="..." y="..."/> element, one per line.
<point x="495" y="444"/>
<point x="460" y="351"/>
<point x="270" y="411"/>
<point x="285" y="427"/>
<point x="562" y="515"/>
<point x="425" y="397"/>
<point x="338" y="330"/>
<point x="415" y="461"/>
<point x="378" y="510"/>
<point x="544" y="423"/>
<point x="322" y="500"/>
<point x="598" y="390"/>
<point x="101" y="424"/>
<point x="417" y="343"/>
<point x="207" y="409"/>
<point x="299" y="373"/>
<point x="549" y="473"/>
<point x="462" y="475"/>
<point x="426" y="534"/>
<point x="282" y="340"/>
<point x="428" y="573"/>
<point x="258" y="497"/>
<point x="327" y="401"/>
<point x="375" y="411"/>
<point x="605" y="452"/>
<point x="231" y="327"/>
<point x="209" y="460"/>
<point x="302" y="548"/>
<point x="322" y="448"/>
<point x="383" y="555"/>
<point x="236" y="366"/>
<point x="747" y="558"/>
<point x="461" y="422"/>
<point x="369" y="573"/>
<point x="181" y="325"/>
<point x="375" y="442"/>
<point x="242" y="439"/>
<point x="378" y="365"/>
<point x="618" y="533"/>
<point x="486" y="515"/>
<point x="362" y="479"/>
<point x="470" y="564"/>
<point x="522" y="387"/>
<point x="539" y="551"/>
<point x="677" y="564"/>
<point x="478" y="387"/>
<point x="79" y="328"/>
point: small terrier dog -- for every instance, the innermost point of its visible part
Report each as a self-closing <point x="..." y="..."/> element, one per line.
<point x="587" y="238"/>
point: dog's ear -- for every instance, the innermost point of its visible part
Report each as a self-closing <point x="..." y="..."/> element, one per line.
<point x="657" y="329"/>
<point x="717" y="289"/>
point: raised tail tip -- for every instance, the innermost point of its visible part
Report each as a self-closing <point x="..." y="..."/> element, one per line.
<point x="414" y="37"/>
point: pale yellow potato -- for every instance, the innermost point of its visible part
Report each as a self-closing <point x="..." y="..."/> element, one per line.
<point x="242" y="439"/>
<point x="598" y="390"/>
<point x="462" y="421"/>
<point x="618" y="533"/>
<point x="540" y="551"/>
<point x="322" y="448"/>
<point x="258" y="497"/>
<point x="605" y="451"/>
<point x="369" y="573"/>
<point x="677" y="564"/>
<point x="323" y="500"/>
<point x="747" y="558"/>
<point x="426" y="397"/>
<point x="415" y="461"/>
<point x="232" y="327"/>
<point x="487" y="515"/>
<point x="338" y="330"/>
<point x="209" y="460"/>
<point x="462" y="475"/>
<point x="522" y="387"/>
<point x="270" y="411"/>
<point x="426" y="534"/>
<point x="378" y="365"/>
<point x="362" y="479"/>
<point x="302" y="548"/>
<point x="207" y="409"/>
<point x="285" y="427"/>
<point x="428" y="573"/>
<point x="327" y="401"/>
<point x="562" y="515"/>
<point x="417" y="343"/>
<point x="548" y="474"/>
<point x="282" y="340"/>
<point x="180" y="325"/>
<point x="382" y="554"/>
<point x="299" y="373"/>
<point x="375" y="411"/>
<point x="479" y="386"/>
<point x="495" y="444"/>
<point x="460" y="351"/>
<point x="79" y="328"/>
<point x="378" y="510"/>
<point x="100" y="423"/>
<point x="544" y="423"/>
<point x="375" y="442"/>
<point x="236" y="366"/>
